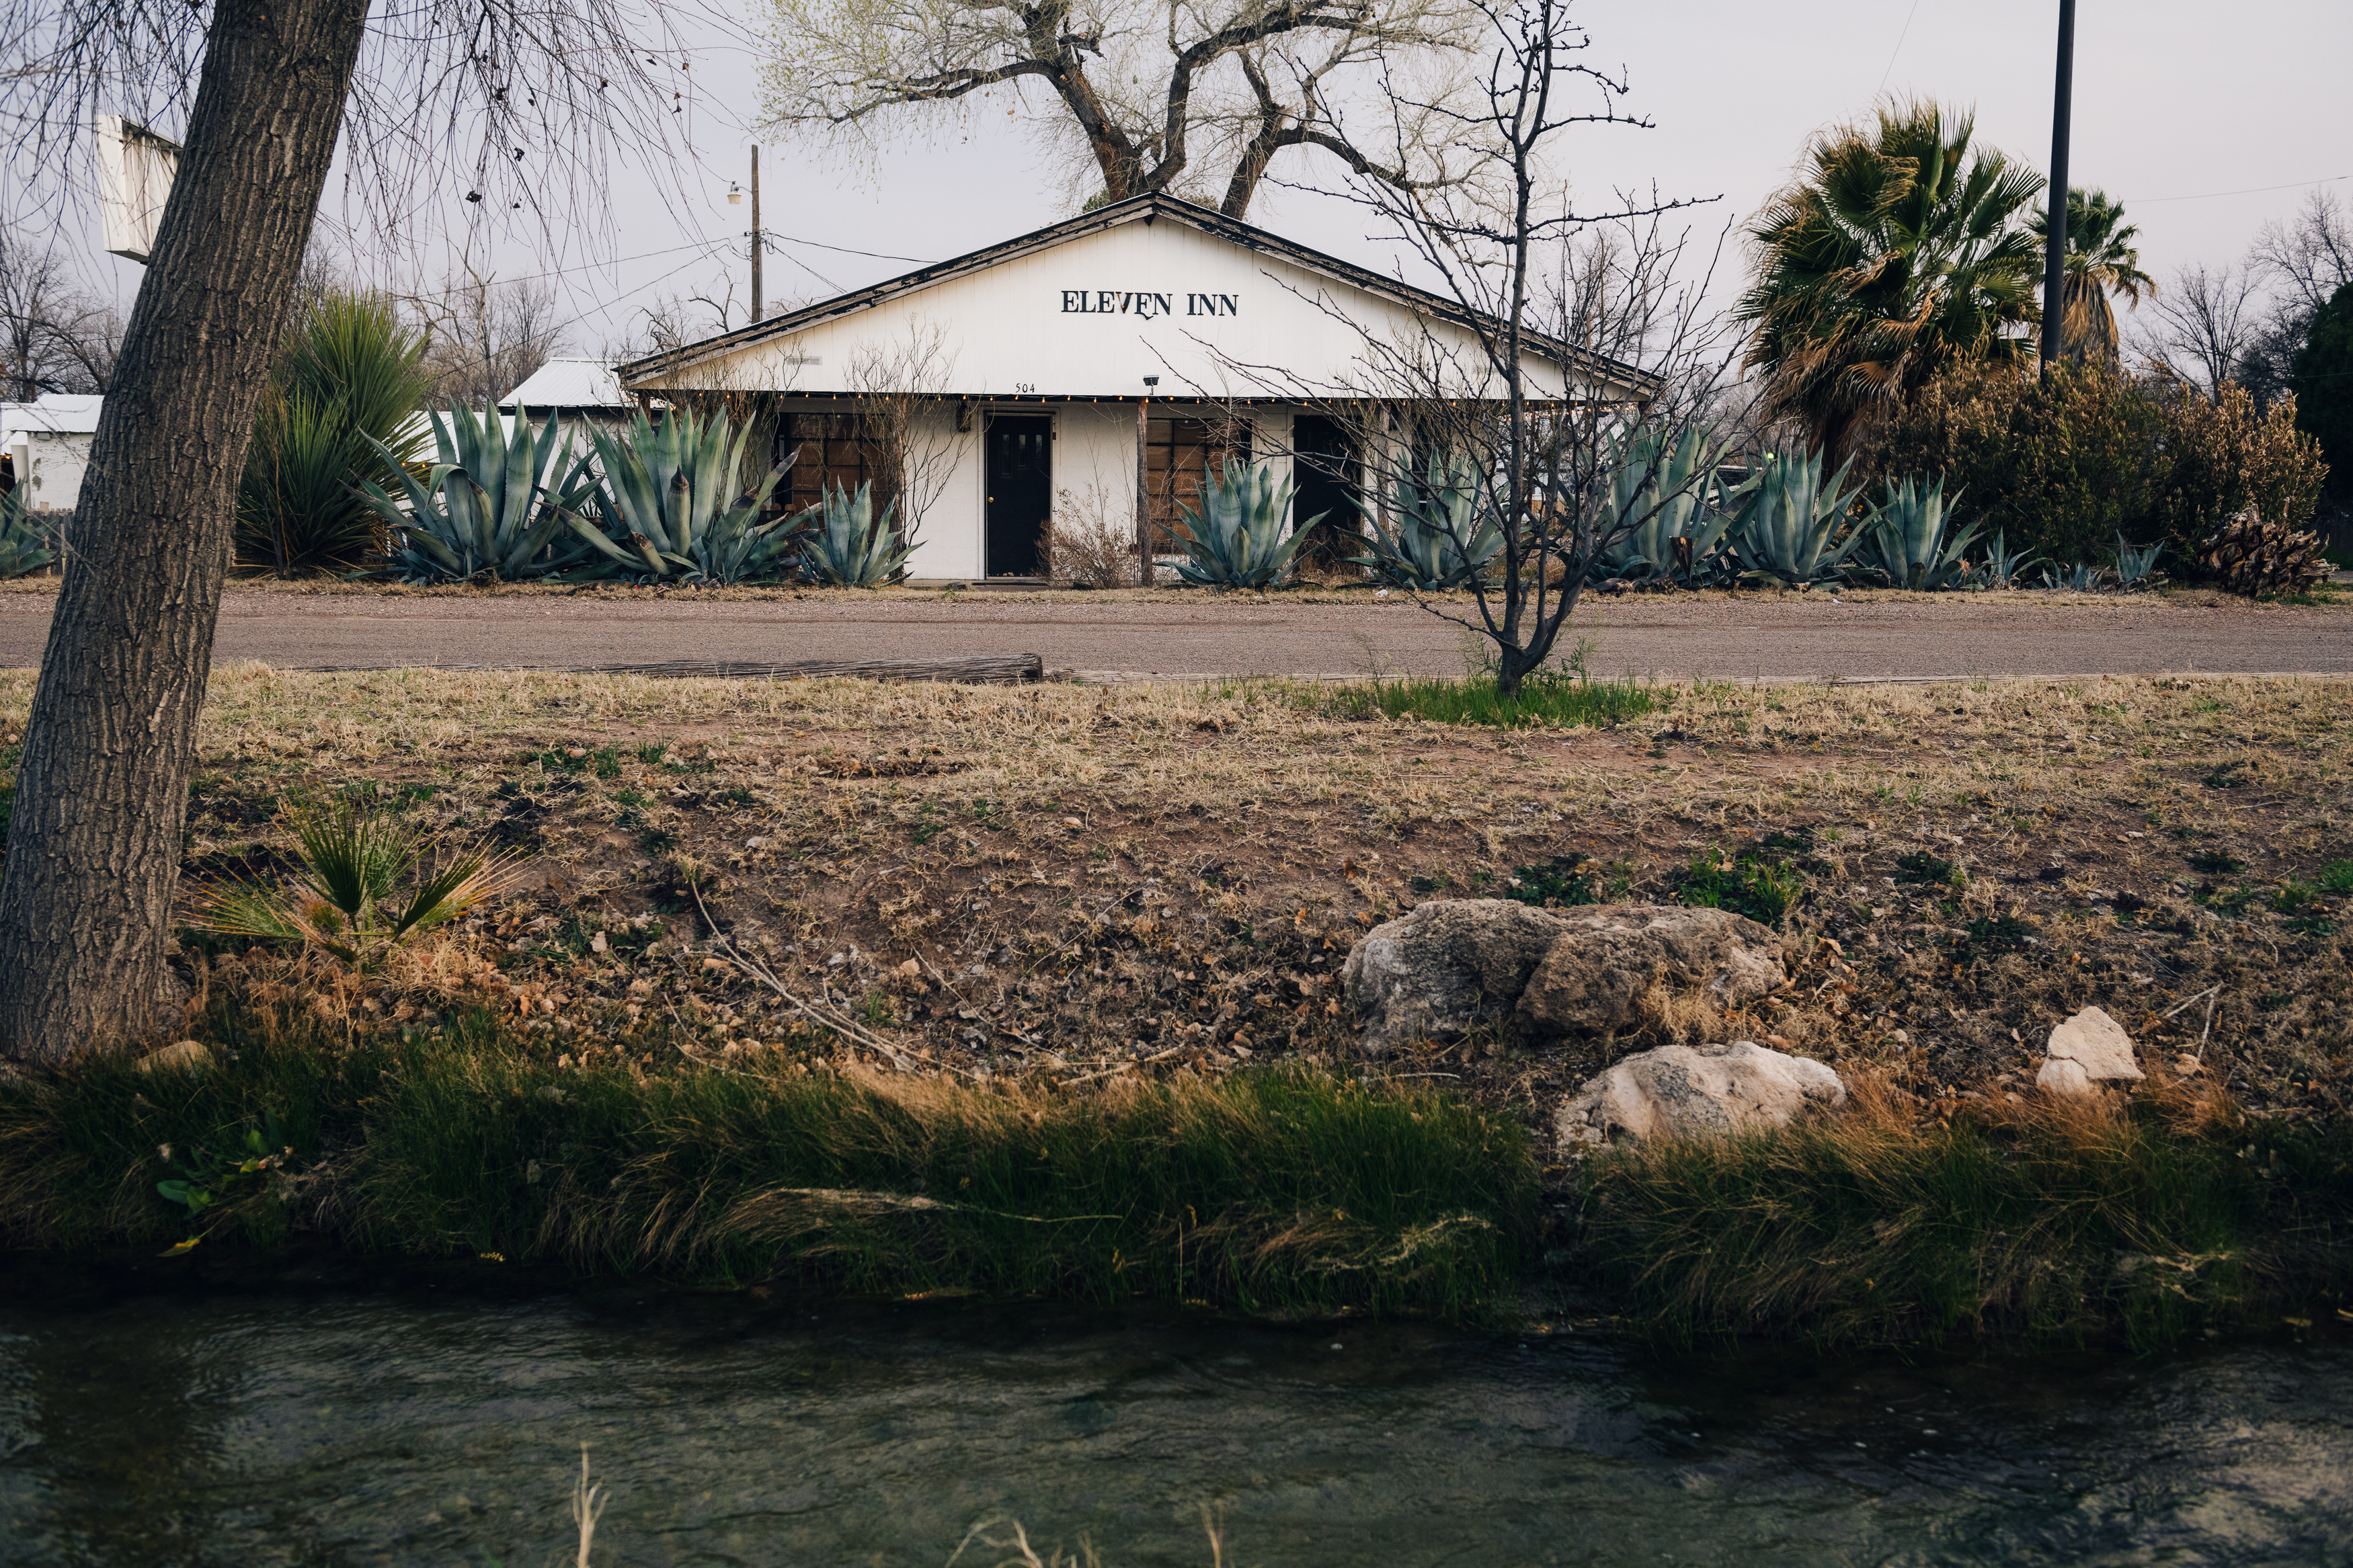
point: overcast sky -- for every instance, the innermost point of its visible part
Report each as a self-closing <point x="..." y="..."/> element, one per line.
<point x="2186" y="113"/>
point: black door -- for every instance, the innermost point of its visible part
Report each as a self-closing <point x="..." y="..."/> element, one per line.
<point x="1324" y="471"/>
<point x="1021" y="493"/>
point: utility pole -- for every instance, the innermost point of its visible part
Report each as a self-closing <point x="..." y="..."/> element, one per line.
<point x="2054" y="249"/>
<point x="759" y="242"/>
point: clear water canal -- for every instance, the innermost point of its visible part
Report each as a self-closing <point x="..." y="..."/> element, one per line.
<point x="423" y="1426"/>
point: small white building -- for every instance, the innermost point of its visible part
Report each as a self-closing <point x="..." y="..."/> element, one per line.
<point x="1095" y="366"/>
<point x="47" y="443"/>
<point x="573" y="390"/>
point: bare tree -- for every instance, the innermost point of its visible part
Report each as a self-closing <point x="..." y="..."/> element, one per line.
<point x="2310" y="257"/>
<point x="531" y="95"/>
<point x="901" y="419"/>
<point x="1195" y="100"/>
<point x="54" y="337"/>
<point x="1572" y="337"/>
<point x="484" y="338"/>
<point x="2197" y="330"/>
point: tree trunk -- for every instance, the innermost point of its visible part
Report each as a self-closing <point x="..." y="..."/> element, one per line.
<point x="102" y="787"/>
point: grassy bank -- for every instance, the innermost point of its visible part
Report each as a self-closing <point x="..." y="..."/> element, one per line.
<point x="1272" y="1191"/>
<point x="2153" y="1219"/>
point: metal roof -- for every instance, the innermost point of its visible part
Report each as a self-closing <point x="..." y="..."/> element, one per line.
<point x="570" y="384"/>
<point x="1136" y="209"/>
<point x="61" y="413"/>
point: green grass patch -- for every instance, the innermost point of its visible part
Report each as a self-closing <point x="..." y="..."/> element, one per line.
<point x="2059" y="1223"/>
<point x="1751" y="883"/>
<point x="1277" y="1191"/>
<point x="1544" y="698"/>
<point x="2336" y="877"/>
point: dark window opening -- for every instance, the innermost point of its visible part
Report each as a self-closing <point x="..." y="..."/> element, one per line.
<point x="1176" y="452"/>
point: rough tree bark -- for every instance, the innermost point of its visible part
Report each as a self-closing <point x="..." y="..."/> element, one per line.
<point x="101" y="787"/>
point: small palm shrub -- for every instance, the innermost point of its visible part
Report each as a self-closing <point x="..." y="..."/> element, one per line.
<point x="2249" y="555"/>
<point x="24" y="545"/>
<point x="1444" y="536"/>
<point x="493" y="503"/>
<point x="851" y="547"/>
<point x="338" y="412"/>
<point x="366" y="882"/>
<point x="670" y="510"/>
<point x="1236" y="539"/>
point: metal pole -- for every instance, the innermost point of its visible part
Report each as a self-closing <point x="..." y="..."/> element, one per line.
<point x="1144" y="573"/>
<point x="2054" y="249"/>
<point x="757" y="246"/>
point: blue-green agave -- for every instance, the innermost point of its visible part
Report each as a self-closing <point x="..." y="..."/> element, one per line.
<point x="664" y="510"/>
<point x="1908" y="544"/>
<point x="490" y="503"/>
<point x="1445" y="535"/>
<point x="853" y="548"/>
<point x="1659" y="494"/>
<point x="1236" y="539"/>
<point x="24" y="543"/>
<point x="1788" y="529"/>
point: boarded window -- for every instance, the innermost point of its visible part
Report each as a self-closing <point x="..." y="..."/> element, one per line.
<point x="1176" y="452"/>
<point x="833" y="451"/>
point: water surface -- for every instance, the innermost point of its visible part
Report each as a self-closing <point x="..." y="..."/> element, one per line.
<point x="369" y="1425"/>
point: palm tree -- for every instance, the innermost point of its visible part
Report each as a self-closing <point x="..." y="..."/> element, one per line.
<point x="2101" y="261"/>
<point x="1896" y="254"/>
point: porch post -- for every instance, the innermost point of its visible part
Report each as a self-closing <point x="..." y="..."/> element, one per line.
<point x="1143" y="493"/>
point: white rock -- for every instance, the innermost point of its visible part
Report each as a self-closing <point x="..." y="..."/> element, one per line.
<point x="2087" y="1050"/>
<point x="1677" y="1090"/>
<point x="185" y="1055"/>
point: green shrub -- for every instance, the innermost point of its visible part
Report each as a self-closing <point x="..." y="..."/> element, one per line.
<point x="348" y="378"/>
<point x="2094" y="458"/>
<point x="1545" y="697"/>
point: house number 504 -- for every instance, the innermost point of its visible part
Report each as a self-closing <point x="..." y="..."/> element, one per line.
<point x="1020" y="387"/>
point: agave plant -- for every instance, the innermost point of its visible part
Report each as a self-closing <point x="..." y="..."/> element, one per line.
<point x="853" y="548"/>
<point x="366" y="883"/>
<point x="1443" y="536"/>
<point x="2003" y="568"/>
<point x="24" y="543"/>
<point x="665" y="496"/>
<point x="1908" y="545"/>
<point x="490" y="504"/>
<point x="1236" y="540"/>
<point x="2080" y="578"/>
<point x="1789" y="529"/>
<point x="1656" y="496"/>
<point x="2137" y="568"/>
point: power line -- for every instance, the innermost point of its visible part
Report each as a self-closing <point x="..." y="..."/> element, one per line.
<point x="1899" y="46"/>
<point x="2250" y="191"/>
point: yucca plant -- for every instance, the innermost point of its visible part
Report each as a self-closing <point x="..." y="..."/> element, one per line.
<point x="664" y="510"/>
<point x="1444" y="534"/>
<point x="1658" y="494"/>
<point x="490" y="504"/>
<point x="1907" y="544"/>
<point x="853" y="548"/>
<point x="2137" y="568"/>
<point x="1236" y="539"/>
<point x="338" y="411"/>
<point x="1788" y="529"/>
<point x="24" y="543"/>
<point x="366" y="883"/>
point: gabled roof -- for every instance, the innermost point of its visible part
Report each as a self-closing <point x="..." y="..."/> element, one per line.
<point x="1136" y="209"/>
<point x="61" y="413"/>
<point x="569" y="384"/>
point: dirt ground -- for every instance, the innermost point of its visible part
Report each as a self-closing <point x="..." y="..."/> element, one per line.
<point x="1309" y="630"/>
<point x="1081" y="881"/>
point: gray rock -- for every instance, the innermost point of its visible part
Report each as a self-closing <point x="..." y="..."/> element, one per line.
<point x="1592" y="979"/>
<point x="1446" y="966"/>
<point x="1686" y="1091"/>
<point x="184" y="1056"/>
<point x="2085" y="1051"/>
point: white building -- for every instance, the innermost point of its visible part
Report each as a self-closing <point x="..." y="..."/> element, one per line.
<point x="47" y="446"/>
<point x="573" y="390"/>
<point x="1094" y="365"/>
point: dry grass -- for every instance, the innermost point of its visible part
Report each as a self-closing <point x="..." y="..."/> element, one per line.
<point x="1080" y="881"/>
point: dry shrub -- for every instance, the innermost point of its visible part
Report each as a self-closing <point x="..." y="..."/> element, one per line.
<point x="1091" y="542"/>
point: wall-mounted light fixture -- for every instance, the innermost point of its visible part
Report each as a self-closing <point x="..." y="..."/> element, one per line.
<point x="734" y="194"/>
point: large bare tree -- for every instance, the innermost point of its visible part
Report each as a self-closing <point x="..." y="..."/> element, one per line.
<point x="521" y="97"/>
<point x="54" y="337"/>
<point x="1194" y="97"/>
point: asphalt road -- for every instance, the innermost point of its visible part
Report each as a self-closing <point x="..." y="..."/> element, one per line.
<point x="1815" y="638"/>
